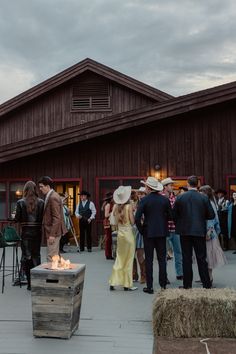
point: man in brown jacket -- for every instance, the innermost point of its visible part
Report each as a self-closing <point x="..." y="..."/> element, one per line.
<point x="53" y="219"/>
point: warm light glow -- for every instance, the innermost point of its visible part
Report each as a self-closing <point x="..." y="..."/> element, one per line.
<point x="60" y="263"/>
<point x="18" y="193"/>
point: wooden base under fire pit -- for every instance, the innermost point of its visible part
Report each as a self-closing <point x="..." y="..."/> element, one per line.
<point x="56" y="300"/>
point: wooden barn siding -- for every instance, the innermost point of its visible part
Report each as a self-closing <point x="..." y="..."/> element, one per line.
<point x="53" y="112"/>
<point x="201" y="143"/>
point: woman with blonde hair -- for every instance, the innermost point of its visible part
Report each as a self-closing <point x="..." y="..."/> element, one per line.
<point x="122" y="272"/>
<point x="29" y="213"/>
<point x="215" y="255"/>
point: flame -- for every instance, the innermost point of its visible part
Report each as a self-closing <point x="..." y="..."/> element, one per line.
<point x="59" y="262"/>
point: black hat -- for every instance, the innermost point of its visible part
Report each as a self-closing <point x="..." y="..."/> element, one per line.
<point x="108" y="196"/>
<point x="220" y="190"/>
<point x="84" y="193"/>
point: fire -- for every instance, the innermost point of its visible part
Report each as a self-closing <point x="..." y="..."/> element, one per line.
<point x="59" y="262"/>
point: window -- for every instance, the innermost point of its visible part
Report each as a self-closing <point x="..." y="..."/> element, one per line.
<point x="231" y="185"/>
<point x="15" y="193"/>
<point x="10" y="192"/>
<point x="109" y="184"/>
<point x="182" y="182"/>
<point x="91" y="94"/>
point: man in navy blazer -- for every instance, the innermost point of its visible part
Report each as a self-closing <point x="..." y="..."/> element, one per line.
<point x="191" y="210"/>
<point x="156" y="210"/>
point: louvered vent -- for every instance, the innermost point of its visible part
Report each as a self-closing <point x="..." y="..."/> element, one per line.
<point x="91" y="95"/>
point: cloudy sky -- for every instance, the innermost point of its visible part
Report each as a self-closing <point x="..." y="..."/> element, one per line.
<point x="178" y="46"/>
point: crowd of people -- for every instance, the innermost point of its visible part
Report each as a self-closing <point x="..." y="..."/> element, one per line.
<point x="147" y="219"/>
<point x="190" y="222"/>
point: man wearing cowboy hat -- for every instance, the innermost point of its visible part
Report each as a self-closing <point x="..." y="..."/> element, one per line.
<point x="85" y="212"/>
<point x="156" y="210"/>
<point x="173" y="238"/>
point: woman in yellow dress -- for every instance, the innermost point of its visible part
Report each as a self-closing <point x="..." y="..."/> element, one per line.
<point x="122" y="272"/>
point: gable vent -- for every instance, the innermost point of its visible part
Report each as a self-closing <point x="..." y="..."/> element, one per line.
<point x="94" y="95"/>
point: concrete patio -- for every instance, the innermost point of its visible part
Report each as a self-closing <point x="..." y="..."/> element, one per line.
<point x="115" y="322"/>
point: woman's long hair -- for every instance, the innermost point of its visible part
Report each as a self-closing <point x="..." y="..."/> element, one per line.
<point x="209" y="192"/>
<point x="30" y="195"/>
<point x="119" y="213"/>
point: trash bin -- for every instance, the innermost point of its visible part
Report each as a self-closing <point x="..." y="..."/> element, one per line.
<point x="56" y="300"/>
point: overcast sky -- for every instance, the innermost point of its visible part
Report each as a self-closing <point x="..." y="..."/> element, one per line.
<point x="177" y="46"/>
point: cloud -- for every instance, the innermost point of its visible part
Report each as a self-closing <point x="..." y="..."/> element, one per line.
<point x="176" y="46"/>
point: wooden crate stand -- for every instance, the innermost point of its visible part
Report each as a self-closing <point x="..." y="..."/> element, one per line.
<point x="56" y="300"/>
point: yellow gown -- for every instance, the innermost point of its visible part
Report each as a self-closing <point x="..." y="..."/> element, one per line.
<point x="122" y="272"/>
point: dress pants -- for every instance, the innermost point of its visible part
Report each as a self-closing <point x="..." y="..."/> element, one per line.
<point x="198" y="243"/>
<point x="53" y="249"/>
<point x="159" y="244"/>
<point x="85" y="233"/>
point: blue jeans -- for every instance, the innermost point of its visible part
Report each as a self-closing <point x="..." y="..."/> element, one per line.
<point x="174" y="240"/>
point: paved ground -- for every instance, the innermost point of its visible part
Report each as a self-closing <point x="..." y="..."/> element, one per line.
<point x="111" y="322"/>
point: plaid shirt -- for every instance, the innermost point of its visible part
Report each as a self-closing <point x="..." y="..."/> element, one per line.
<point x="171" y="224"/>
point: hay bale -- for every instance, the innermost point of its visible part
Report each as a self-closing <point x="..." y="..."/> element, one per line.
<point x="195" y="313"/>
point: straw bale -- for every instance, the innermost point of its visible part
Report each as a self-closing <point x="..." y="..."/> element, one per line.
<point x="195" y="313"/>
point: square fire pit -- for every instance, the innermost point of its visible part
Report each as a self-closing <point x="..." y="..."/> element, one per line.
<point x="56" y="300"/>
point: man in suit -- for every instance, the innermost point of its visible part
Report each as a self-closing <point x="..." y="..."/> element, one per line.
<point x="85" y="212"/>
<point x="53" y="219"/>
<point x="191" y="210"/>
<point x="156" y="210"/>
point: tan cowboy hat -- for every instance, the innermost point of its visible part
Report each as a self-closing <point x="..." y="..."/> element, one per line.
<point x="122" y="194"/>
<point x="153" y="183"/>
<point x="166" y="181"/>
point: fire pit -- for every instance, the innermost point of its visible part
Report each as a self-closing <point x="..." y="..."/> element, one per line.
<point x="56" y="290"/>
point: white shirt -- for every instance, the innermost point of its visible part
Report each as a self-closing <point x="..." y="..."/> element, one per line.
<point x="91" y="207"/>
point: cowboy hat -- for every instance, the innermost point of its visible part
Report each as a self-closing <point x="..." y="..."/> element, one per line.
<point x="108" y="196"/>
<point x="84" y="193"/>
<point x="166" y="181"/>
<point x="141" y="190"/>
<point x="153" y="183"/>
<point x="122" y="194"/>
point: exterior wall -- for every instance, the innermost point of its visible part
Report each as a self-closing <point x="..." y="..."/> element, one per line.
<point x="201" y="143"/>
<point x="52" y="112"/>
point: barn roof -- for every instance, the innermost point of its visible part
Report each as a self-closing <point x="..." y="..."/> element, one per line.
<point x="75" y="70"/>
<point x="112" y="124"/>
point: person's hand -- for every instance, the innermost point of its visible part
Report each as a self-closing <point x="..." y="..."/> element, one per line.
<point x="89" y="221"/>
<point x="51" y="240"/>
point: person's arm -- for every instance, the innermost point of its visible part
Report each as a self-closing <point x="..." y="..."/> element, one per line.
<point x="107" y="210"/>
<point x="93" y="210"/>
<point x="18" y="215"/>
<point x="138" y="217"/>
<point x="77" y="214"/>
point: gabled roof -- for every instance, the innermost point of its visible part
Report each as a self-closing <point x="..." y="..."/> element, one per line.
<point x="77" y="69"/>
<point x="112" y="124"/>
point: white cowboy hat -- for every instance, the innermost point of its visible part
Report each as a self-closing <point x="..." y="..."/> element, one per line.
<point x="153" y="183"/>
<point x="166" y="181"/>
<point x="122" y="194"/>
<point x="141" y="190"/>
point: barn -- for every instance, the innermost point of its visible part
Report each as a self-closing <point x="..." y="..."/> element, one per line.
<point x="95" y="128"/>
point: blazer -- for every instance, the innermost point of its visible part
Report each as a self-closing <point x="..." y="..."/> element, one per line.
<point x="191" y="210"/>
<point x="156" y="210"/>
<point x="53" y="218"/>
